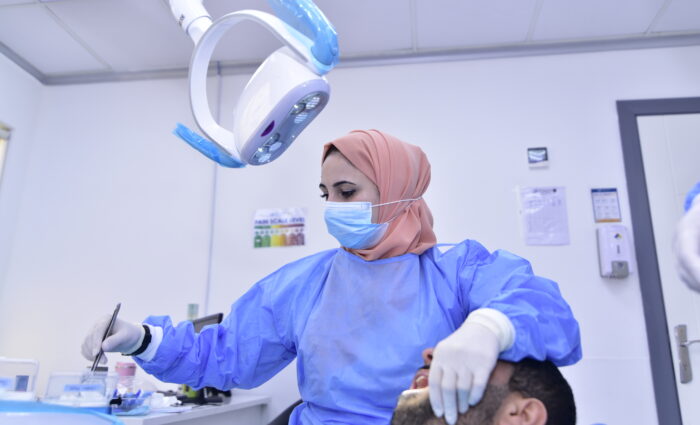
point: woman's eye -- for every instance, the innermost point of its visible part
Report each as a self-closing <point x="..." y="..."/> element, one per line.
<point x="347" y="193"/>
<point x="324" y="196"/>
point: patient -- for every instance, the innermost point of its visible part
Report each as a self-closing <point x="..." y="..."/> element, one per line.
<point x="529" y="392"/>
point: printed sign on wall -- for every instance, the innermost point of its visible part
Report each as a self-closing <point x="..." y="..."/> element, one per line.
<point x="606" y="205"/>
<point x="279" y="227"/>
<point x="544" y="217"/>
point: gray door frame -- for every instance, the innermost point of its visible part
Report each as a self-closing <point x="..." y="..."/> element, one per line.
<point x="662" y="368"/>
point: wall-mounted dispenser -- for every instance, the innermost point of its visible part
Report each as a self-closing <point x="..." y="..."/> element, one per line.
<point x="615" y="251"/>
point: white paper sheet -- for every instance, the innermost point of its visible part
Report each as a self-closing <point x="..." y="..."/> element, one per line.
<point x="543" y="214"/>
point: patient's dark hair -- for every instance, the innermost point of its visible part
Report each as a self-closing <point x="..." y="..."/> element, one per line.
<point x="530" y="378"/>
<point x="544" y="381"/>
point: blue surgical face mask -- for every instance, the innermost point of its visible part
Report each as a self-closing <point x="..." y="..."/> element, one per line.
<point x="351" y="223"/>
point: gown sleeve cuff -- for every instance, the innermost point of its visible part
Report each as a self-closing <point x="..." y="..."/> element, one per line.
<point x="497" y="322"/>
<point x="156" y="339"/>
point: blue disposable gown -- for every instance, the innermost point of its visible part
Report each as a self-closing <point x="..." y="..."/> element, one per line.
<point x="357" y="328"/>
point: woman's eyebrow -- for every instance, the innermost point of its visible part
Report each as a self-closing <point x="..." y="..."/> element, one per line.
<point x="336" y="184"/>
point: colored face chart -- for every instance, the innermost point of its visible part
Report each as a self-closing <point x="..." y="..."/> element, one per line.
<point x="279" y="227"/>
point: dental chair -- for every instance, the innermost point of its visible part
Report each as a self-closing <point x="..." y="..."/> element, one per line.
<point x="283" y="418"/>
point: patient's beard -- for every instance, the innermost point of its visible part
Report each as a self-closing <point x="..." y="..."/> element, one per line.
<point x="420" y="413"/>
<point x="484" y="412"/>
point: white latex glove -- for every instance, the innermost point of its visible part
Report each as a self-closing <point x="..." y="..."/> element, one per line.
<point x="687" y="246"/>
<point x="125" y="337"/>
<point x="463" y="362"/>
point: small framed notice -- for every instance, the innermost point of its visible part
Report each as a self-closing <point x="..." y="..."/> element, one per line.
<point x="606" y="205"/>
<point x="537" y="157"/>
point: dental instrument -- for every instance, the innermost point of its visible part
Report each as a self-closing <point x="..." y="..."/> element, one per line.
<point x="107" y="331"/>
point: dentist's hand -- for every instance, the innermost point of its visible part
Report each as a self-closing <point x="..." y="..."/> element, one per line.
<point x="687" y="247"/>
<point x="125" y="337"/>
<point x="460" y="370"/>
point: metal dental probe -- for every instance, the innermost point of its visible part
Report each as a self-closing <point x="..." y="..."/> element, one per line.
<point x="107" y="331"/>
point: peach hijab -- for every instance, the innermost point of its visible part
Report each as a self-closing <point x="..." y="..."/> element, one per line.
<point x="400" y="171"/>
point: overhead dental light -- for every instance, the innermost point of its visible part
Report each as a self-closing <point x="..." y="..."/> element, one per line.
<point x="285" y="93"/>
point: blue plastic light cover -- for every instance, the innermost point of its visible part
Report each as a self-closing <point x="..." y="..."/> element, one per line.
<point x="210" y="149"/>
<point x="305" y="17"/>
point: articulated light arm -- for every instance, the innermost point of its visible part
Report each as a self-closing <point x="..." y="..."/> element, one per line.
<point x="192" y="17"/>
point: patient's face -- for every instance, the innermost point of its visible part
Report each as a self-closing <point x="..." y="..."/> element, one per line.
<point x="487" y="412"/>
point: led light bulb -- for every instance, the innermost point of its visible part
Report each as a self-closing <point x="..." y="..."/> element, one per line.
<point x="312" y="102"/>
<point x="301" y="117"/>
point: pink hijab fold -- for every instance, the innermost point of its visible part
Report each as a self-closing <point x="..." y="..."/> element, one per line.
<point x="400" y="171"/>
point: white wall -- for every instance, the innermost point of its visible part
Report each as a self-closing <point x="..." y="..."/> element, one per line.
<point x="19" y="99"/>
<point x="115" y="208"/>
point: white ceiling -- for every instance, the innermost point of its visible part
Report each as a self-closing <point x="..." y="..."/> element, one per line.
<point x="70" y="41"/>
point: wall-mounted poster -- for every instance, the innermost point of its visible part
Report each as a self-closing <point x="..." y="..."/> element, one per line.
<point x="274" y="227"/>
<point x="606" y="205"/>
<point x="544" y="217"/>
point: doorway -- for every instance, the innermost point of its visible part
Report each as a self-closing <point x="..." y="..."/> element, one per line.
<point x="661" y="150"/>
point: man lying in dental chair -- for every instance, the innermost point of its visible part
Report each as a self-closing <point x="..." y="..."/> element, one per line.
<point x="528" y="392"/>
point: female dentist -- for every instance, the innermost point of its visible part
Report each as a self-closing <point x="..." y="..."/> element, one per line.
<point x="357" y="316"/>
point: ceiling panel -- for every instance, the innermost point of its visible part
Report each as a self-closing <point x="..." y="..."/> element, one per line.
<point x="458" y="23"/>
<point x="83" y="36"/>
<point x="681" y="15"/>
<point x="218" y="8"/>
<point x="575" y="19"/>
<point x="364" y="27"/>
<point x="247" y="41"/>
<point x="32" y="33"/>
<point x="130" y="35"/>
<point x="369" y="26"/>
